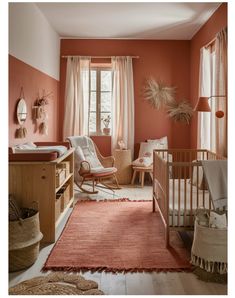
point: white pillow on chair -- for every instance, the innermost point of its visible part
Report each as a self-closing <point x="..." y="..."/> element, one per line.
<point x="142" y="162"/>
<point x="146" y="150"/>
<point x="161" y="143"/>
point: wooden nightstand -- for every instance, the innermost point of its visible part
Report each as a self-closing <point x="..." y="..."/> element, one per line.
<point x="123" y="165"/>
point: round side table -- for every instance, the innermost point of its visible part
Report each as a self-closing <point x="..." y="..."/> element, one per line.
<point x="123" y="165"/>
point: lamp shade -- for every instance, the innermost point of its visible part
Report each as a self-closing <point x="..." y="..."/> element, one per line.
<point x="202" y="105"/>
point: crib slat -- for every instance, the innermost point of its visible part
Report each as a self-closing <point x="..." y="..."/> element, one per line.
<point x="179" y="174"/>
<point x="191" y="190"/>
<point x="173" y="203"/>
<point x="185" y="197"/>
<point x="197" y="183"/>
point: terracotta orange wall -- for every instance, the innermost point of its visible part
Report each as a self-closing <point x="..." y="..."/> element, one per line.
<point x="168" y="61"/>
<point x="103" y="143"/>
<point x="217" y="22"/>
<point x="32" y="81"/>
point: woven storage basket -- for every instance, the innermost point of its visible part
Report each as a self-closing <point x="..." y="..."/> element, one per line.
<point x="209" y="249"/>
<point x="24" y="240"/>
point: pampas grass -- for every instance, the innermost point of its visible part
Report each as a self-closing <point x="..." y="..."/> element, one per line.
<point x="157" y="94"/>
<point x="181" y="112"/>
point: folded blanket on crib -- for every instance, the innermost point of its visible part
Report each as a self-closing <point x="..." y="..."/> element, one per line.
<point x="32" y="148"/>
<point x="216" y="176"/>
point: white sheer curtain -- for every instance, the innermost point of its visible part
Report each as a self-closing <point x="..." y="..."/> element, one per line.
<point x="204" y="139"/>
<point x="212" y="131"/>
<point x="221" y="89"/>
<point x="76" y="117"/>
<point x="123" y="102"/>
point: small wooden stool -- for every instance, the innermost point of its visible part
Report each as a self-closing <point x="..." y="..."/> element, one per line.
<point x="142" y="171"/>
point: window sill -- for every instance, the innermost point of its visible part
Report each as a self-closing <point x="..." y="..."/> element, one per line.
<point x="98" y="135"/>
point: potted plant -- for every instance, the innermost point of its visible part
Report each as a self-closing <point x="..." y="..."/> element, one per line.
<point x="106" y="121"/>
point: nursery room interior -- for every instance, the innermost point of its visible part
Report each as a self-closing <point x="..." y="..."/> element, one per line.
<point x="117" y="149"/>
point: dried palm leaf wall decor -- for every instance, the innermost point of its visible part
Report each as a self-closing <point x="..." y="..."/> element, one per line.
<point x="181" y="111"/>
<point x="158" y="94"/>
<point x="162" y="96"/>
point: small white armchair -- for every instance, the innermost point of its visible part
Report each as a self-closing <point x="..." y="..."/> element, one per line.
<point x="90" y="165"/>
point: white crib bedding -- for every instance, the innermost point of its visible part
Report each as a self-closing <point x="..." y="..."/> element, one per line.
<point x="180" y="186"/>
<point x="176" y="209"/>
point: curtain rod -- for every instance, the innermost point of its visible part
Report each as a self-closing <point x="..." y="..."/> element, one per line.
<point x="210" y="42"/>
<point x="135" y="57"/>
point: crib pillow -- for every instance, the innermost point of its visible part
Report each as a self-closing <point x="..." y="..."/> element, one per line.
<point x="142" y="162"/>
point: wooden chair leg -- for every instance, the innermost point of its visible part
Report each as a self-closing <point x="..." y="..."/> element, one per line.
<point x="142" y="178"/>
<point x="115" y="178"/>
<point x="133" y="177"/>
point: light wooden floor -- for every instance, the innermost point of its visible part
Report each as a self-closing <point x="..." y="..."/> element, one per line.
<point x="171" y="283"/>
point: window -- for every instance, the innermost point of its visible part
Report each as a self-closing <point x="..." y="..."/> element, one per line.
<point x="100" y="98"/>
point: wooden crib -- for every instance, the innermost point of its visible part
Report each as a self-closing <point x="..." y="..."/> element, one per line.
<point x="179" y="187"/>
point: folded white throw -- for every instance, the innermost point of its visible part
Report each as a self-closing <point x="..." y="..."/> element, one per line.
<point x="216" y="175"/>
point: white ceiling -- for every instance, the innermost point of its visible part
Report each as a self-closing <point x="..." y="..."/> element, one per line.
<point x="153" y="20"/>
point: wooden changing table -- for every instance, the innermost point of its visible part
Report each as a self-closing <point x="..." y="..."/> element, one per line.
<point x="31" y="181"/>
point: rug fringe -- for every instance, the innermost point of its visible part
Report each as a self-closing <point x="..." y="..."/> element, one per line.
<point x="115" y="270"/>
<point x="111" y="200"/>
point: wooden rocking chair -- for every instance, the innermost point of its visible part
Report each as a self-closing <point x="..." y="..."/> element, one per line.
<point x="90" y="165"/>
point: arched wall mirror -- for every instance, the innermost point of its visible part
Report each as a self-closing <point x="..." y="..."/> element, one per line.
<point x="21" y="111"/>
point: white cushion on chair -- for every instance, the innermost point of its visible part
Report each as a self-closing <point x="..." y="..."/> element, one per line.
<point x="161" y="143"/>
<point x="91" y="157"/>
<point x="102" y="170"/>
<point x="142" y="162"/>
<point x="146" y="150"/>
<point x="150" y="145"/>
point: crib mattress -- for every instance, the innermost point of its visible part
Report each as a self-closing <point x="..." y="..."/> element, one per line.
<point x="180" y="203"/>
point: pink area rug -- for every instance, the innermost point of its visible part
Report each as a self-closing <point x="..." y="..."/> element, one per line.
<point x="116" y="236"/>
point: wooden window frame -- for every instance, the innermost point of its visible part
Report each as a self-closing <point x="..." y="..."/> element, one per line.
<point x="98" y="91"/>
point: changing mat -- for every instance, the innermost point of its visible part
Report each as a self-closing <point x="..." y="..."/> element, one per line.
<point x="32" y="148"/>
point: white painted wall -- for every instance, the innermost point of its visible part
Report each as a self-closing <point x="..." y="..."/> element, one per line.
<point x="32" y="39"/>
